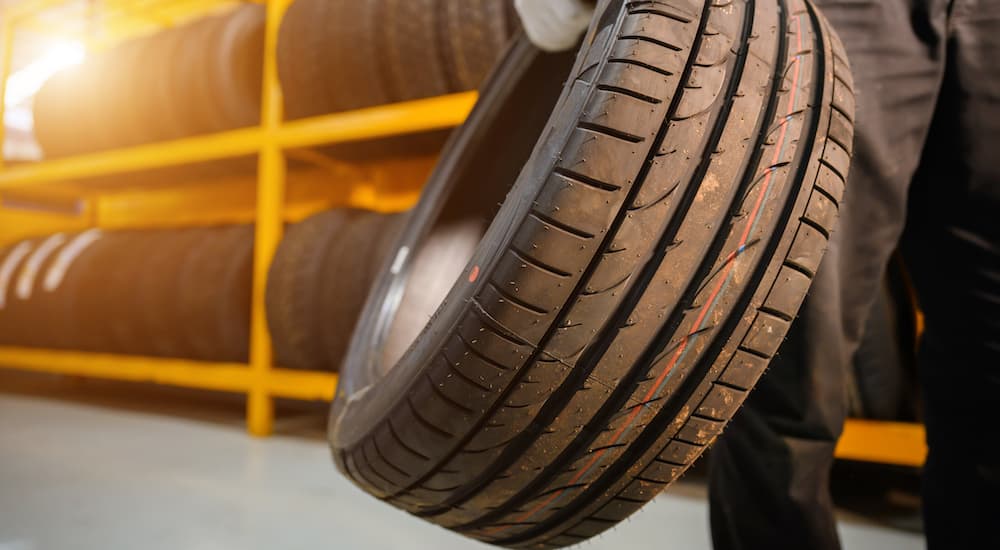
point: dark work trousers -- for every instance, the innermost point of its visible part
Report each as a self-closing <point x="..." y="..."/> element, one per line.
<point x="927" y="160"/>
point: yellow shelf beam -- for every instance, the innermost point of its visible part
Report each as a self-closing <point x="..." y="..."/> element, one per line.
<point x="271" y="173"/>
<point x="225" y="377"/>
<point x="898" y="443"/>
<point x="375" y="122"/>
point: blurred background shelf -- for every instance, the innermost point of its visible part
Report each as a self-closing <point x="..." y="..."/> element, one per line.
<point x="74" y="193"/>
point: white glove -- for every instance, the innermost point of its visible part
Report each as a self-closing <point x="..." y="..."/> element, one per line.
<point x="554" y="25"/>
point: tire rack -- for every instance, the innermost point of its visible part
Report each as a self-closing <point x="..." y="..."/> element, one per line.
<point x="870" y="441"/>
<point x="259" y="379"/>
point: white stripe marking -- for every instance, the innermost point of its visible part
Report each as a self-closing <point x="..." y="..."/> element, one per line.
<point x="10" y="265"/>
<point x="56" y="273"/>
<point x="26" y="282"/>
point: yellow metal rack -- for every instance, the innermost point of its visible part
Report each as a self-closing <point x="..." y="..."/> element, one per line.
<point x="271" y="142"/>
<point x="259" y="379"/>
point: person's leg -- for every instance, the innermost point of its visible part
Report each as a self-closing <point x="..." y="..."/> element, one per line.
<point x="769" y="483"/>
<point x="953" y="249"/>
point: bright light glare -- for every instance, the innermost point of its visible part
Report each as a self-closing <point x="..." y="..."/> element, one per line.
<point x="24" y="83"/>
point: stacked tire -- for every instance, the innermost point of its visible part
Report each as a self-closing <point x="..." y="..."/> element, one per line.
<point x="205" y="76"/>
<point x="318" y="283"/>
<point x="336" y="55"/>
<point x="185" y="293"/>
<point x="198" y="78"/>
<point x="168" y="293"/>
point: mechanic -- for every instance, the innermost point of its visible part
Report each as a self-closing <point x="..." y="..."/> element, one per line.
<point x="925" y="179"/>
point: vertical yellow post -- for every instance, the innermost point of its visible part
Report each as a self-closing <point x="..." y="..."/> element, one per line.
<point x="6" y="59"/>
<point x="270" y="205"/>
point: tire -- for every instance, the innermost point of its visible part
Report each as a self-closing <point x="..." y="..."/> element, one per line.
<point x="59" y="120"/>
<point x="158" y="317"/>
<point x="62" y="288"/>
<point x="300" y="59"/>
<point x="12" y="264"/>
<point x="117" y="105"/>
<point x="473" y="34"/>
<point x="25" y="312"/>
<point x="641" y="272"/>
<point x="239" y="68"/>
<point x="122" y="281"/>
<point x="340" y="55"/>
<point x="46" y="113"/>
<point x="199" y="59"/>
<point x="213" y="297"/>
<point x="172" y="112"/>
<point x="88" y="295"/>
<point x="348" y="271"/>
<point x="294" y="284"/>
<point x="412" y="56"/>
<point x="139" y="111"/>
<point x="357" y="77"/>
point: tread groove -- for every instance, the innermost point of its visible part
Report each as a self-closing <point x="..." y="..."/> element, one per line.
<point x="631" y="93"/>
<point x="565" y="228"/>
<point x="458" y="372"/>
<point x="660" y="43"/>
<point x="585" y="180"/>
<point x="610" y="132"/>
<point x="411" y="450"/>
<point x="827" y="194"/>
<point x="531" y="260"/>
<point x="668" y="15"/>
<point x="426" y="423"/>
<point x="775" y="313"/>
<point x="508" y="297"/>
<point x="472" y="349"/>
<point x="637" y="63"/>
<point x="378" y="452"/>
<point x="791" y="264"/>
<point x="437" y="391"/>
<point x="822" y="230"/>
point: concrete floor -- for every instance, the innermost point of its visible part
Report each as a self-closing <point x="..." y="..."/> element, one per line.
<point x="82" y="467"/>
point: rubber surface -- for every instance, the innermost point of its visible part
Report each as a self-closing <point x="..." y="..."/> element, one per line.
<point x="318" y="282"/>
<point x="12" y="308"/>
<point x="204" y="76"/>
<point x="163" y="292"/>
<point x="337" y="55"/>
<point x="295" y="282"/>
<point x="413" y="62"/>
<point x="156" y="299"/>
<point x="641" y="273"/>
<point x="348" y="273"/>
<point x="300" y="59"/>
<point x="213" y="295"/>
<point x="472" y="33"/>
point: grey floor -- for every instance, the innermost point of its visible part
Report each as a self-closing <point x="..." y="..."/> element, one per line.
<point x="82" y="467"/>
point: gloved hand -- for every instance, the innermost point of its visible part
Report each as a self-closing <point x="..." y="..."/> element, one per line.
<point x="554" y="25"/>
